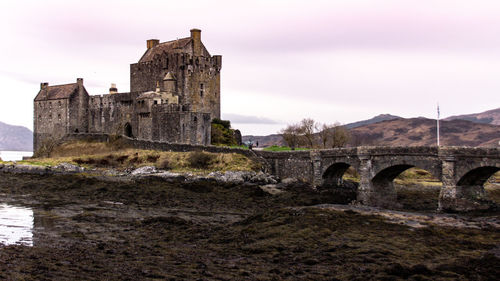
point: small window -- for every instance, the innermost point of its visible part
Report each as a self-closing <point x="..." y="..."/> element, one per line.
<point x="39" y="117"/>
<point x="59" y="117"/>
<point x="59" y="103"/>
<point x="202" y="89"/>
<point x="195" y="119"/>
<point x="50" y="116"/>
<point x="156" y="102"/>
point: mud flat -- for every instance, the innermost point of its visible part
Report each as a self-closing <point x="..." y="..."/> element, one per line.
<point x="88" y="228"/>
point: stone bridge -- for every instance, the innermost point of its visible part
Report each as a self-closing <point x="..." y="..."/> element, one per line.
<point x="463" y="171"/>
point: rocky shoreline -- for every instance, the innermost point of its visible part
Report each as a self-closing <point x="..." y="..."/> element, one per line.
<point x="154" y="225"/>
<point x="268" y="183"/>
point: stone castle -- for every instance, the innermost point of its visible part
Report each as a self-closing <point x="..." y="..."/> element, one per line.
<point x="174" y="95"/>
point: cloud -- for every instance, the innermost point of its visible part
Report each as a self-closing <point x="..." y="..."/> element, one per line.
<point x="247" y="119"/>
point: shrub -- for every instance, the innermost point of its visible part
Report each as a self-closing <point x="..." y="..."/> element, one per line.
<point x="46" y="148"/>
<point x="121" y="159"/>
<point x="200" y="159"/>
<point x="152" y="157"/>
<point x="164" y="164"/>
<point x="226" y="124"/>
<point x="135" y="160"/>
<point x="79" y="161"/>
<point x="104" y="162"/>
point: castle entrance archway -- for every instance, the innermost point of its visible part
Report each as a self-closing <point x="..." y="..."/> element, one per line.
<point x="128" y="130"/>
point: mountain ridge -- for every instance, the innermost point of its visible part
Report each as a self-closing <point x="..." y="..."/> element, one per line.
<point x="479" y="129"/>
<point x="15" y="138"/>
<point x="487" y="117"/>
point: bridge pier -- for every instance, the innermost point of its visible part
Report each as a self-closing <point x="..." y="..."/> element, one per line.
<point x="462" y="199"/>
<point x="371" y="193"/>
<point x="317" y="168"/>
<point x="456" y="197"/>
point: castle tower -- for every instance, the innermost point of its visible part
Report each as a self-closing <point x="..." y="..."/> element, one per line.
<point x="169" y="83"/>
<point x="196" y="73"/>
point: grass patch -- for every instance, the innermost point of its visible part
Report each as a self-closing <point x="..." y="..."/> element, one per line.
<point x="417" y="176"/>
<point x="234" y="146"/>
<point x="200" y="159"/>
<point x="91" y="154"/>
<point x="282" y="148"/>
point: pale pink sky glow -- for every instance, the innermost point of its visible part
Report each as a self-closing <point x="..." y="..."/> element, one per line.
<point x="283" y="60"/>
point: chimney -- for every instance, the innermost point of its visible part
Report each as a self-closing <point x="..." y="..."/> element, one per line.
<point x="79" y="81"/>
<point x="44" y="85"/>
<point x="113" y="89"/>
<point x="218" y="61"/>
<point x="196" y="37"/>
<point x="152" y="42"/>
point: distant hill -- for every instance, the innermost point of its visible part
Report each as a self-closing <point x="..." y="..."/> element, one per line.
<point x="487" y="117"/>
<point x="264" y="141"/>
<point x="276" y="139"/>
<point x="15" y="138"/>
<point x="410" y="132"/>
<point x="376" y="119"/>
<point x="422" y="131"/>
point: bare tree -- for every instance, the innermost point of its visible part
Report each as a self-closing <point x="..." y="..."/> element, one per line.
<point x="325" y="134"/>
<point x="340" y="135"/>
<point x="291" y="135"/>
<point x="307" y="129"/>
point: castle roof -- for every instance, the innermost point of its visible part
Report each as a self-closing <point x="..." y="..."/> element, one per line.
<point x="57" y="92"/>
<point x="167" y="47"/>
<point x="148" y="95"/>
<point x="169" y="76"/>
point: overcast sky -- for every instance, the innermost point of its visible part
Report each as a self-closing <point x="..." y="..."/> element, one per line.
<point x="283" y="60"/>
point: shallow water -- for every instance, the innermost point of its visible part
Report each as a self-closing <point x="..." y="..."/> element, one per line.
<point x="16" y="225"/>
<point x="14" y="155"/>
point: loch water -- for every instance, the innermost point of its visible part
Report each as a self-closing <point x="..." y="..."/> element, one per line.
<point x="16" y="225"/>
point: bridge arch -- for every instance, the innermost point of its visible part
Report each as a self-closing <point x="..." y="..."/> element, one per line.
<point x="334" y="173"/>
<point x="392" y="169"/>
<point x="386" y="176"/>
<point x="477" y="176"/>
<point x="388" y="193"/>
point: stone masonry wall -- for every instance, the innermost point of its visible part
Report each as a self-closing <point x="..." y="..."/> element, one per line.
<point x="198" y="79"/>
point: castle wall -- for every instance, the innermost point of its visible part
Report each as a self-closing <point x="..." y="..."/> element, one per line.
<point x="180" y="126"/>
<point x="51" y="118"/>
<point x="202" y="85"/>
<point x="110" y="113"/>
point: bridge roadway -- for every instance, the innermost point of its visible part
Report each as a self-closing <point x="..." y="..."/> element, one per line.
<point x="462" y="170"/>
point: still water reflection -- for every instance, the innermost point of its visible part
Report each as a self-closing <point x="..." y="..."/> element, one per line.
<point x="16" y="225"/>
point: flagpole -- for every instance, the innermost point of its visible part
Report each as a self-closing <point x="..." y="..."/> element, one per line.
<point x="437" y="124"/>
